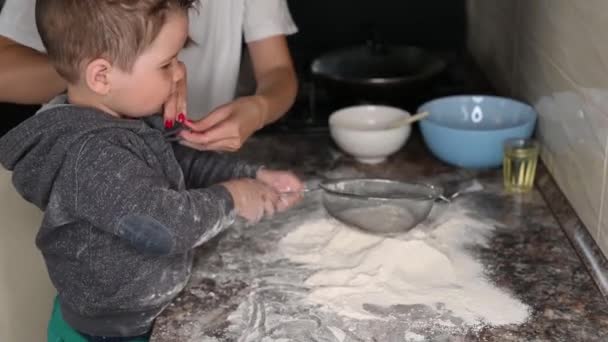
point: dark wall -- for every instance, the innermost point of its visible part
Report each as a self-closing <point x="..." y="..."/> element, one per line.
<point x="328" y="24"/>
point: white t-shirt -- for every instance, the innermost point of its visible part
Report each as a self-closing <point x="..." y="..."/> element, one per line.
<point x="217" y="27"/>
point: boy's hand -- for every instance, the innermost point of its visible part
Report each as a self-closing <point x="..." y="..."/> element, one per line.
<point x="252" y="199"/>
<point x="285" y="183"/>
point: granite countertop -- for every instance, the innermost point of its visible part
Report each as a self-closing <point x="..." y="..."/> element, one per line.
<point x="530" y="256"/>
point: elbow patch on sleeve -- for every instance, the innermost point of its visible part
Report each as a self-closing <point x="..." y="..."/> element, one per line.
<point x="146" y="234"/>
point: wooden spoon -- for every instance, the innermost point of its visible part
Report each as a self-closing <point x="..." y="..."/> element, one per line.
<point x="408" y="120"/>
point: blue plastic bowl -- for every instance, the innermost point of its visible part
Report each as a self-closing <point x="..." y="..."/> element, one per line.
<point x="469" y="131"/>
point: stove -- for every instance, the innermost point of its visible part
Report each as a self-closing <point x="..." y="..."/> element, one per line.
<point x="314" y="102"/>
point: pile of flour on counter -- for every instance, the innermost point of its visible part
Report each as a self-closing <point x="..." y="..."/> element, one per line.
<point x="428" y="275"/>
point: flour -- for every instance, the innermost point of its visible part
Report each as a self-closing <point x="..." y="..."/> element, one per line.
<point x="413" y="337"/>
<point x="338" y="333"/>
<point x="428" y="273"/>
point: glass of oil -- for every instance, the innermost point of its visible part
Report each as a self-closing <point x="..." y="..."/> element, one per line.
<point x="519" y="164"/>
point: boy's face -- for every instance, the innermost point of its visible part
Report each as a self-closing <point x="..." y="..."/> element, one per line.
<point x="143" y="91"/>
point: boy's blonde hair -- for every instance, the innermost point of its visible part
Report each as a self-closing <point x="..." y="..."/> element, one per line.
<point x="75" y="32"/>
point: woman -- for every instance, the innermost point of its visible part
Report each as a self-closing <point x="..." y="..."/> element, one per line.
<point x="217" y="29"/>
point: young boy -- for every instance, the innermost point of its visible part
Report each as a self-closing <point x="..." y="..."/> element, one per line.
<point x="123" y="208"/>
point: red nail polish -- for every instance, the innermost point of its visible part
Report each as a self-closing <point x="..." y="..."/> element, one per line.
<point x="181" y="118"/>
<point x="168" y="124"/>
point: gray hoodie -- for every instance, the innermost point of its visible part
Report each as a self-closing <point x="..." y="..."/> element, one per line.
<point x="123" y="210"/>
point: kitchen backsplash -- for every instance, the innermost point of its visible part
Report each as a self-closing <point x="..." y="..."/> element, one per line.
<point x="553" y="54"/>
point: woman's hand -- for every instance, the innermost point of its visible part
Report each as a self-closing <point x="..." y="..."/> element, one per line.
<point x="175" y="108"/>
<point x="227" y="127"/>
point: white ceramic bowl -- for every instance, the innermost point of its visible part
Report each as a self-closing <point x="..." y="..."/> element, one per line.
<point x="364" y="132"/>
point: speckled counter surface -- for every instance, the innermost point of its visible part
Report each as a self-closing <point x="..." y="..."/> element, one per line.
<point x="529" y="256"/>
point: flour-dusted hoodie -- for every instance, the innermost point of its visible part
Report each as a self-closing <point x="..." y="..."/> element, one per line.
<point x="123" y="210"/>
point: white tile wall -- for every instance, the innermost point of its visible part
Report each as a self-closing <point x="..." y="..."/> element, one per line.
<point x="554" y="55"/>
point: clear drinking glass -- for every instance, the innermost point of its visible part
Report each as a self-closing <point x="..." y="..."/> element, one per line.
<point x="519" y="164"/>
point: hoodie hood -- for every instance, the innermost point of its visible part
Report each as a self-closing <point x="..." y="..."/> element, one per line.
<point x="36" y="149"/>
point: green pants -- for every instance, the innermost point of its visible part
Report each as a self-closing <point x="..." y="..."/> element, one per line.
<point x="60" y="331"/>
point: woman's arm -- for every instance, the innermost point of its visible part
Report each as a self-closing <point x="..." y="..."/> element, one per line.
<point x="26" y="75"/>
<point x="275" y="76"/>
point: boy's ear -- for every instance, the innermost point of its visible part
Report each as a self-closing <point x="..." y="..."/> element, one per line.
<point x="98" y="76"/>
